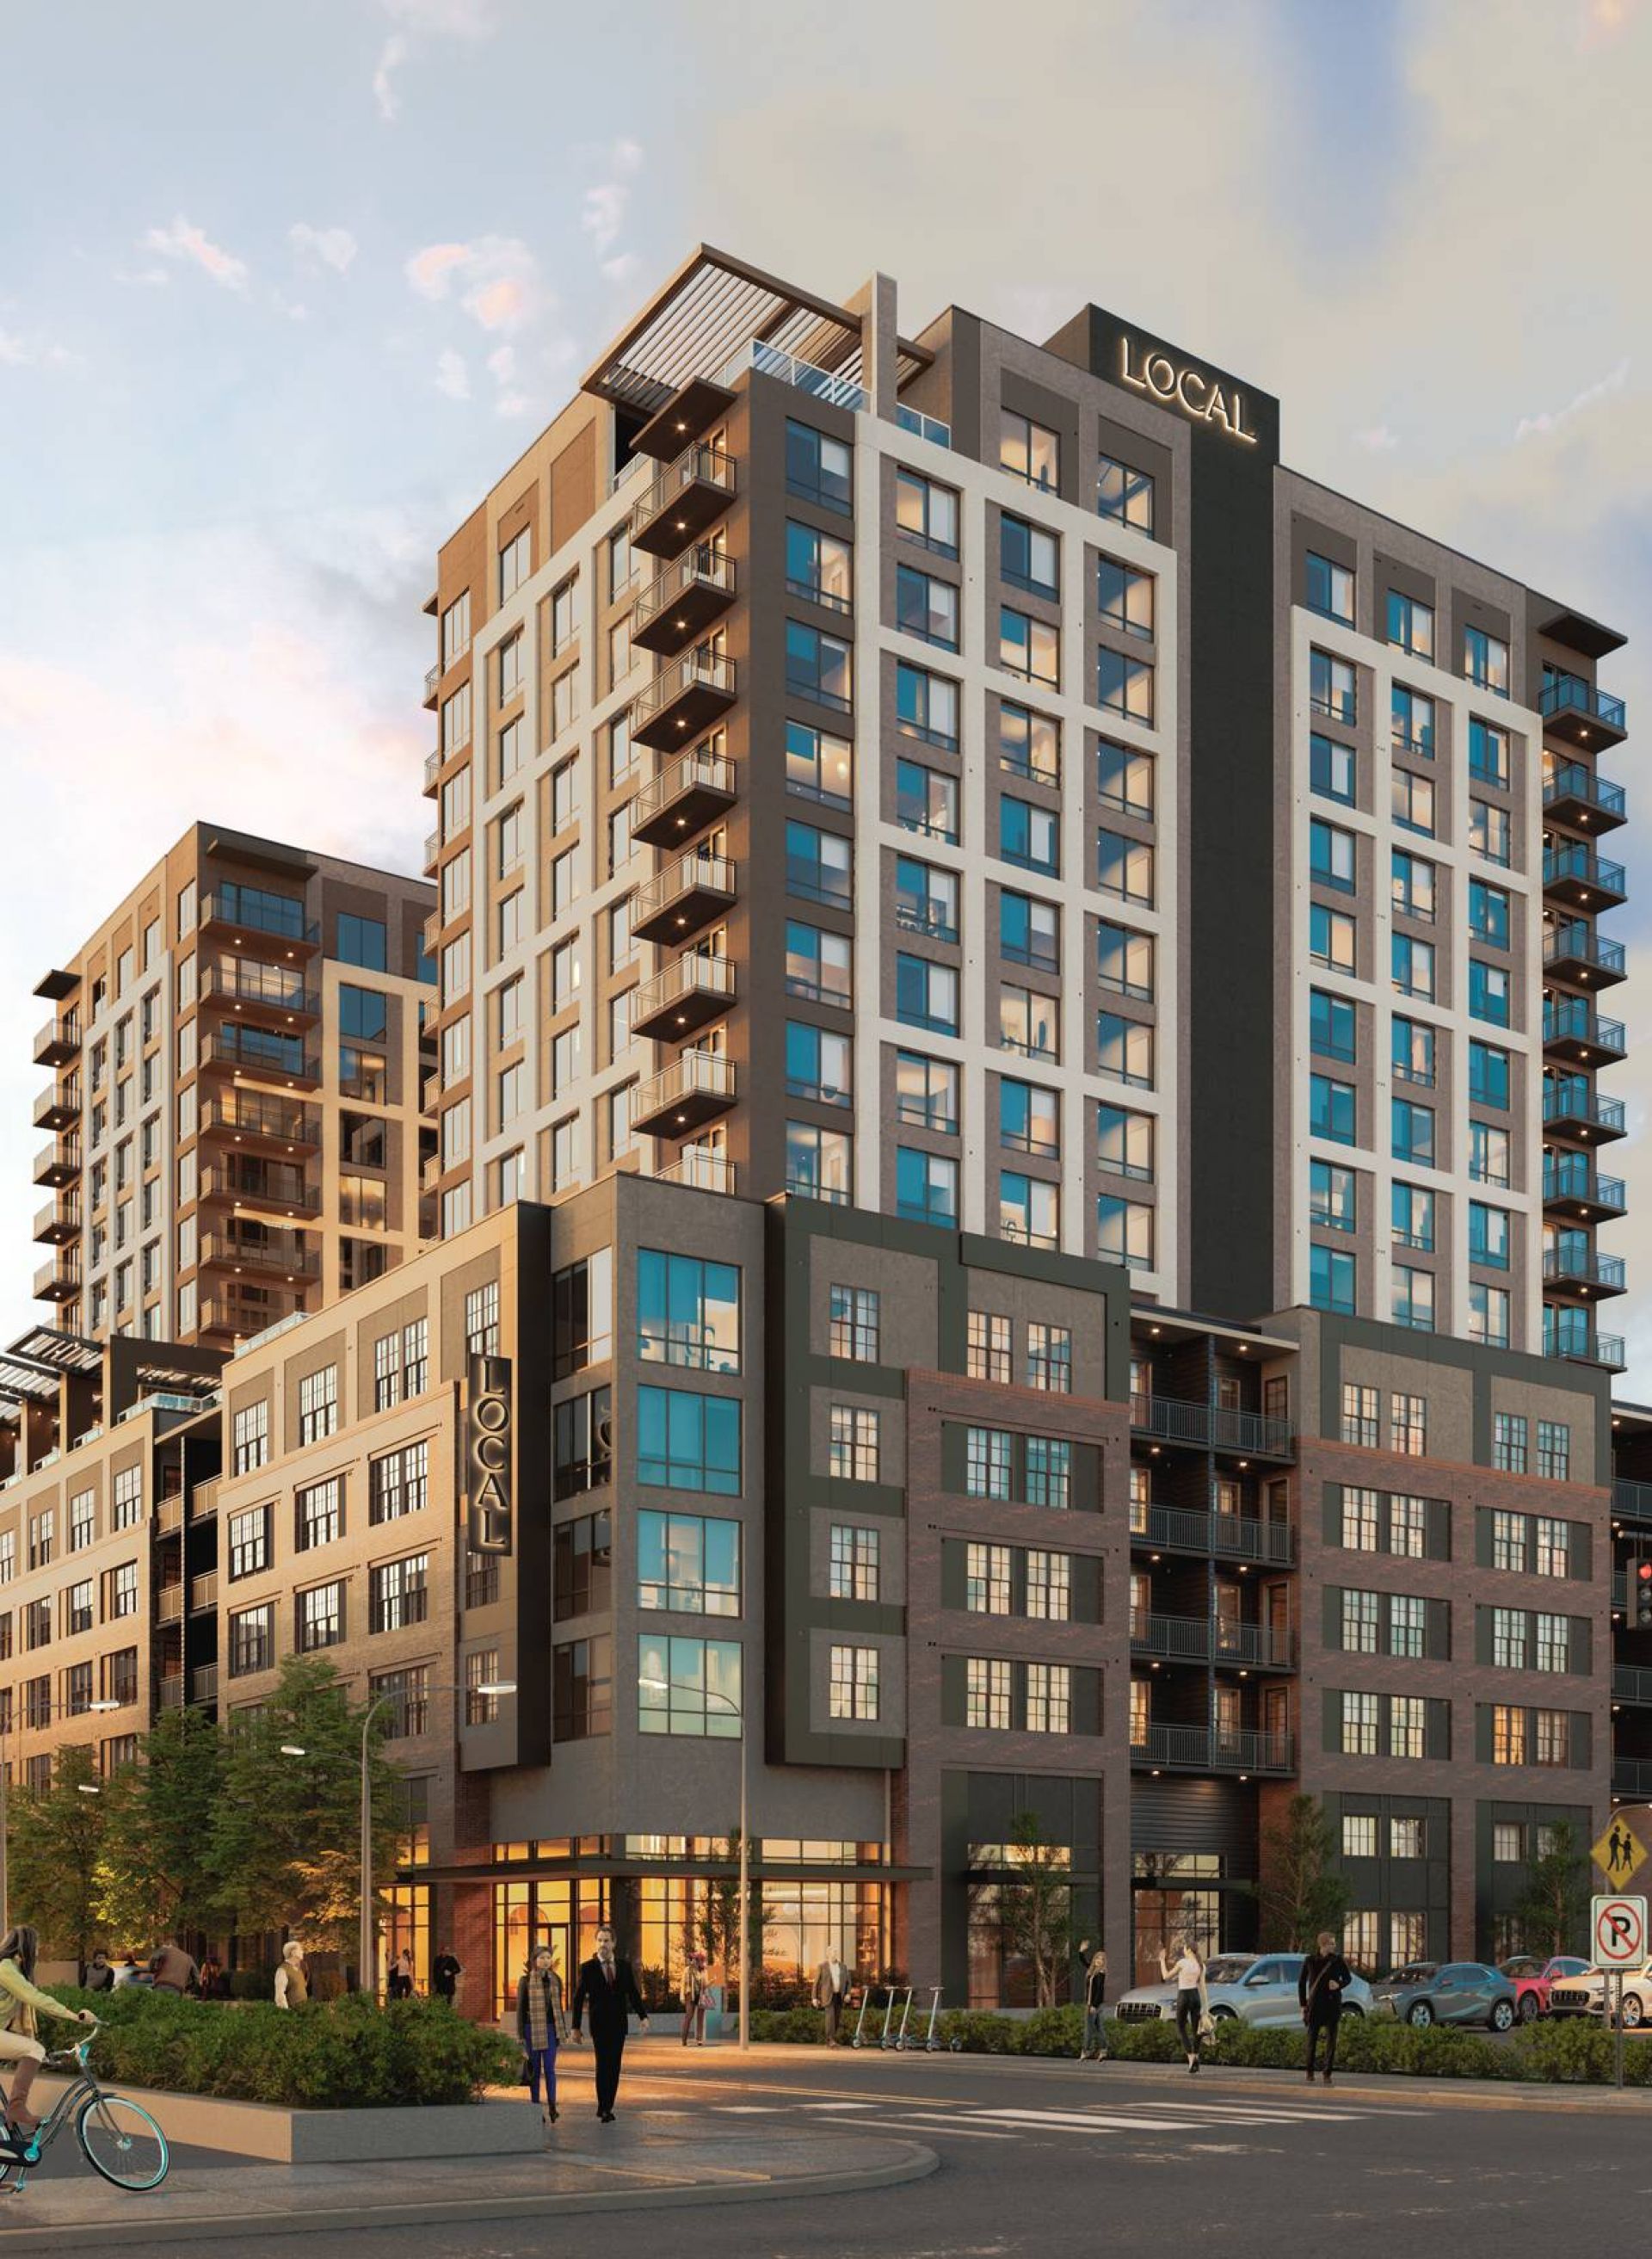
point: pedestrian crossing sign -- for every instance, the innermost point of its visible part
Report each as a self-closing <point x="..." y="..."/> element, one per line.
<point x="1620" y="1854"/>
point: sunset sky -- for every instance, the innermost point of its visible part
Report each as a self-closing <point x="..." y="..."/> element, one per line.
<point x="284" y="288"/>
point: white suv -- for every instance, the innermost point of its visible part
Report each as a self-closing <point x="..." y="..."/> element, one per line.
<point x="1587" y="1995"/>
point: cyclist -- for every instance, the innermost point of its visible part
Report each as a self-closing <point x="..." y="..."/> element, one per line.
<point x="22" y="2004"/>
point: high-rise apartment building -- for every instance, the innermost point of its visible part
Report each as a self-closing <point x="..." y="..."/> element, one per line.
<point x="236" y="1090"/>
<point x="979" y="781"/>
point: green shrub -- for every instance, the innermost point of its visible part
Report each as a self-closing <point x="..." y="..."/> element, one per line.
<point x="794" y="2027"/>
<point x="251" y="1984"/>
<point x="340" y="2054"/>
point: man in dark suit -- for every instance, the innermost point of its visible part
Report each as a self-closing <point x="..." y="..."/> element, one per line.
<point x="607" y="1987"/>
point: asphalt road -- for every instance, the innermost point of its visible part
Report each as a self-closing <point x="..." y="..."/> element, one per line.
<point x="1038" y="2159"/>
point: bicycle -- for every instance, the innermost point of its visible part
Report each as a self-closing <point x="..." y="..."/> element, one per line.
<point x="118" y="2137"/>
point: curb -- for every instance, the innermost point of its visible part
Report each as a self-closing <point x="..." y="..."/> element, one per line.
<point x="194" y="2228"/>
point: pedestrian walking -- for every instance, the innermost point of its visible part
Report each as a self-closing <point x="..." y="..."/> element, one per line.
<point x="831" y="1990"/>
<point x="174" y="1970"/>
<point x="292" y="1982"/>
<point x="22" y="2004"/>
<point x="540" y="2026"/>
<point x="401" y="1976"/>
<point x="446" y="1971"/>
<point x="1185" y="1970"/>
<point x="1323" y="1979"/>
<point x="695" y="1987"/>
<point x="607" y="1987"/>
<point x="1095" y="1993"/>
<point x="100" y="1977"/>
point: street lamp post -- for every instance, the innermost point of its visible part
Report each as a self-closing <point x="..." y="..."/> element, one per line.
<point x="367" y="1971"/>
<point x="663" y="1685"/>
<point x="53" y="1710"/>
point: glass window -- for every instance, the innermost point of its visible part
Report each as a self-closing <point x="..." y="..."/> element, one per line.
<point x="818" y="666"/>
<point x="1124" y="960"/>
<point x="818" y="1162"/>
<point x="1029" y="557"/>
<point x="1331" y="938"/>
<point x="1124" y="1049"/>
<point x="988" y="1347"/>
<point x="361" y="941"/>
<point x="688" y="1311"/>
<point x="852" y="1685"/>
<point x="926" y="1185"/>
<point x="1332" y="1196"/>
<point x="1332" y="1109"/>
<point x="1029" y="451"/>
<point x="1331" y="855"/>
<point x="1029" y="647"/>
<point x="1125" y="867"/>
<point x="1331" y="1024"/>
<point x="1125" y="779"/>
<point x="689" y="1563"/>
<point x="854" y="1570"/>
<point x="1124" y="598"/>
<point x="1508" y="1441"/>
<point x="854" y="1323"/>
<point x="1485" y="660"/>
<point x="1331" y="769"/>
<point x="926" y="800"/>
<point x="927" y="512"/>
<point x="819" y="566"/>
<point x="1029" y="834"/>
<point x="818" y="765"/>
<point x="818" y="965"/>
<point x="926" y="993"/>
<point x="688" y="1686"/>
<point x="1411" y="720"/>
<point x="926" y="705"/>
<point x="817" y="467"/>
<point x="1489" y="991"/>
<point x="1028" y="931"/>
<point x="1333" y="687"/>
<point x="1331" y="1285"/>
<point x="1490" y="832"/>
<point x="1125" y="1231"/>
<point x="1124" y="494"/>
<point x="1488" y="1074"/>
<point x="1124" y="685"/>
<point x="688" y="1442"/>
<point x="927" y="1092"/>
<point x="1329" y="589"/>
<point x="819" y="865"/>
<point x="926" y="606"/>
<point x="1411" y="625"/>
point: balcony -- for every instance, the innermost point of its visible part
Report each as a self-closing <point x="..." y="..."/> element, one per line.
<point x="432" y="677"/>
<point x="700" y="1169"/>
<point x="678" y="901"/>
<point x="429" y="1172"/>
<point x="283" y="1258"/>
<point x="240" y="1182"/>
<point x="682" y="500"/>
<point x="1574" y="1110"/>
<point x="1198" y="1748"/>
<point x="691" y="1090"/>
<point x="685" y="794"/>
<point x="682" y="997"/>
<point x="204" y="1682"/>
<point x="1573" y="952"/>
<point x="203" y="1593"/>
<point x="432" y="932"/>
<point x="59" y="1041"/>
<point x="1605" y="1349"/>
<point x="1576" y="1034"/>
<point x="239" y="1049"/>
<point x="682" y="601"/>
<point x="1632" y="1501"/>
<point x="203" y="1500"/>
<point x="1211" y="1427"/>
<point x="432" y="851"/>
<point x="234" y="983"/>
<point x="57" y="1223"/>
<point x="683" y="699"/>
<point x="1201" y="1639"/>
<point x="432" y="770"/>
<point x="254" y="920"/>
<point x="169" y="1691"/>
<point x="59" y="1107"/>
<point x="58" y="1162"/>
<point x="1574" y="795"/>
<point x="1580" y="715"/>
<point x="261" y="1120"/>
<point x="1575" y="1192"/>
<point x="1631" y="1684"/>
<point x="169" y="1515"/>
<point x="59" y="1280"/>
<point x="1581" y="1274"/>
<point x="169" y="1604"/>
<point x="1230" y="1536"/>
<point x="230" y="1315"/>
<point x="1579" y="880"/>
<point x="1632" y="1776"/>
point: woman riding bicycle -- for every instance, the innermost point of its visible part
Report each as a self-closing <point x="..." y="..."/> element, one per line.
<point x="22" y="2004"/>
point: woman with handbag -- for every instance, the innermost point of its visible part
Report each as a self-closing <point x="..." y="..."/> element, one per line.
<point x="540" y="2026"/>
<point x="1320" y="1985"/>
<point x="1186" y="1971"/>
<point x="1095" y="1993"/>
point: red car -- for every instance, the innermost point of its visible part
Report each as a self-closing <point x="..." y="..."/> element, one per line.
<point x="1532" y="1978"/>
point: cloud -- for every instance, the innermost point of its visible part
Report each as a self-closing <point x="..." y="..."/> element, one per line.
<point x="17" y="352"/>
<point x="327" y="247"/>
<point x="1377" y="440"/>
<point x="457" y="19"/>
<point x="603" y="205"/>
<point x="1552" y="420"/>
<point x="496" y="279"/>
<point x="452" y="375"/>
<point x="184" y="240"/>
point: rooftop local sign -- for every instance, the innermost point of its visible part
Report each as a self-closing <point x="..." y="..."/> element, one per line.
<point x="1205" y="398"/>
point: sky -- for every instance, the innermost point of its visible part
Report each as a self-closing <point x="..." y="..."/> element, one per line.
<point x="284" y="288"/>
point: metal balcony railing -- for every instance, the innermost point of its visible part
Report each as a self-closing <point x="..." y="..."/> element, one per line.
<point x="1230" y="1536"/>
<point x="1174" y="1420"/>
<point x="1571" y="695"/>
<point x="1202" y="1748"/>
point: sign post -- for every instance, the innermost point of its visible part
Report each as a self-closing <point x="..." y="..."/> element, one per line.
<point x="1617" y="1935"/>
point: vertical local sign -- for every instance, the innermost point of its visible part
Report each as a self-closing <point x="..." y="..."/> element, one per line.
<point x="489" y="1418"/>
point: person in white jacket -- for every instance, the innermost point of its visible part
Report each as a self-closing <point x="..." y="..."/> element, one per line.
<point x="292" y="1984"/>
<point x="1185" y="1970"/>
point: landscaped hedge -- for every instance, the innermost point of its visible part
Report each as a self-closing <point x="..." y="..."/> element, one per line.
<point x="1568" y="2050"/>
<point x="338" y="2054"/>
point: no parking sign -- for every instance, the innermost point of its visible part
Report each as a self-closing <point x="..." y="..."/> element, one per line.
<point x="1617" y="1927"/>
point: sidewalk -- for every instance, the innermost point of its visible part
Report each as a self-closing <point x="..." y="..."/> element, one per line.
<point x="631" y="2168"/>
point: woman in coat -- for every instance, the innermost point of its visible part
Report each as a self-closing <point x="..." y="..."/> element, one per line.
<point x="22" y="2004"/>
<point x="1095" y="1993"/>
<point x="695" y="1985"/>
<point x="540" y="2026"/>
<point x="1324" y="1977"/>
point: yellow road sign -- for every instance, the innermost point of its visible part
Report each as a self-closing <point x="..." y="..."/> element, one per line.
<point x="1620" y="1854"/>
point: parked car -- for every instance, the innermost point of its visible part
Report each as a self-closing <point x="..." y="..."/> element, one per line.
<point x="1586" y="1995"/>
<point x="1447" y="1992"/>
<point x="1532" y="1977"/>
<point x="1253" y="1988"/>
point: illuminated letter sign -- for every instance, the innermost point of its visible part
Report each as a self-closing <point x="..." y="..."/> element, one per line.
<point x="1202" y="397"/>
<point x="487" y="1425"/>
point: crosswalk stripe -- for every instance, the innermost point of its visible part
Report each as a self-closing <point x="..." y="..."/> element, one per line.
<point x="1188" y="2122"/>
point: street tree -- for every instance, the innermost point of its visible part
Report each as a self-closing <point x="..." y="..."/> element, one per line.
<point x="1302" y="1892"/>
<point x="1036" y="1907"/>
<point x="285" y="1836"/>
<point x="57" y="1845"/>
<point x="161" y="1876"/>
<point x="1552" y="1912"/>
